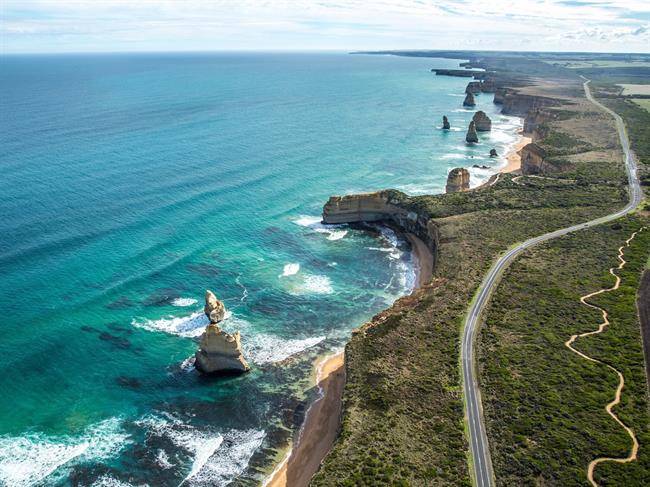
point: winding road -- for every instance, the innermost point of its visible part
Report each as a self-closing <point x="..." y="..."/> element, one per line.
<point x="482" y="463"/>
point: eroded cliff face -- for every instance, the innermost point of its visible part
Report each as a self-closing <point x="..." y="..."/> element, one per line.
<point x="536" y="117"/>
<point x="382" y="206"/>
<point x="533" y="160"/>
<point x="515" y="103"/>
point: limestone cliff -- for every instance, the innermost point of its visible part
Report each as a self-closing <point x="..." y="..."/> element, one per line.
<point x="482" y="121"/>
<point x="488" y="86"/>
<point x="457" y="180"/>
<point x="471" y="137"/>
<point x="219" y="352"/>
<point x="387" y="206"/>
<point x="469" y="100"/>
<point x="532" y="160"/>
<point x="515" y="103"/>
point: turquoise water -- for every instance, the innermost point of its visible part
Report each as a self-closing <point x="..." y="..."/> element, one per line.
<point x="132" y="183"/>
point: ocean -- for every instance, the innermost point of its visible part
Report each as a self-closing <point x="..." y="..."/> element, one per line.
<point x="131" y="183"/>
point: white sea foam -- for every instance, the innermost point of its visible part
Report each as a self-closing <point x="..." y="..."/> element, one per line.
<point x="312" y="284"/>
<point x="307" y="221"/>
<point x="108" y="481"/>
<point x="163" y="460"/>
<point x="184" y="302"/>
<point x="30" y="459"/>
<point x="333" y="232"/>
<point x="269" y="348"/>
<point x="186" y="326"/>
<point x="217" y="457"/>
<point x="337" y="234"/>
<point x="290" y="269"/>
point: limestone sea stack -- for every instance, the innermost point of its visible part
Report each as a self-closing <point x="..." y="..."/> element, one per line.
<point x="469" y="100"/>
<point x="219" y="352"/>
<point x="457" y="180"/>
<point x="445" y="123"/>
<point x="472" y="136"/>
<point x="473" y="87"/>
<point x="493" y="153"/>
<point x="482" y="121"/>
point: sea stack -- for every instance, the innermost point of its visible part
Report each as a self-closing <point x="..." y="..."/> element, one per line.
<point x="469" y="100"/>
<point x="473" y="87"/>
<point x="472" y="136"/>
<point x="493" y="153"/>
<point x="482" y="121"/>
<point x="219" y="352"/>
<point x="445" y="123"/>
<point x="457" y="180"/>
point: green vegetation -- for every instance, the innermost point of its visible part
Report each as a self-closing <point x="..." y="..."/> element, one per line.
<point x="643" y="103"/>
<point x="635" y="89"/>
<point x="544" y="405"/>
<point x="403" y="418"/>
<point x="637" y="121"/>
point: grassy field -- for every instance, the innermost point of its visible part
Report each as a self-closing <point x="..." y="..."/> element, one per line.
<point x="544" y="405"/>
<point x="629" y="89"/>
<point x="643" y="103"/>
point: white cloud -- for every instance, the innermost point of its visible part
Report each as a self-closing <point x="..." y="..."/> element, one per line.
<point x="67" y="25"/>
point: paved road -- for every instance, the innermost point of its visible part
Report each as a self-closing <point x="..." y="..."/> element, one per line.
<point x="479" y="444"/>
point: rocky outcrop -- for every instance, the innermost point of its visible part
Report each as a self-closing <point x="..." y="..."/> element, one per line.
<point x="388" y="206"/>
<point x="500" y="95"/>
<point x="219" y="352"/>
<point x="488" y="86"/>
<point x="469" y="100"/>
<point x="472" y="136"/>
<point x="532" y="160"/>
<point x="456" y="72"/>
<point x="457" y="180"/>
<point x="535" y="122"/>
<point x="445" y="123"/>
<point x="473" y="87"/>
<point x="520" y="104"/>
<point x="493" y="153"/>
<point x="482" y="121"/>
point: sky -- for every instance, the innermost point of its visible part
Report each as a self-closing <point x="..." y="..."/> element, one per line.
<point x="339" y="25"/>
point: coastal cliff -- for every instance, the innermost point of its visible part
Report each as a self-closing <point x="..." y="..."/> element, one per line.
<point x="515" y="103"/>
<point x="386" y="206"/>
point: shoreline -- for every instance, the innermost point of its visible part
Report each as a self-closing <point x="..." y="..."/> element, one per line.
<point x="513" y="156"/>
<point x="320" y="428"/>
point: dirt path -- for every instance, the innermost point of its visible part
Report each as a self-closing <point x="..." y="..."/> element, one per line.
<point x="621" y="380"/>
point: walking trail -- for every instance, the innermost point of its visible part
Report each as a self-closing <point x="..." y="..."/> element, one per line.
<point x="621" y="380"/>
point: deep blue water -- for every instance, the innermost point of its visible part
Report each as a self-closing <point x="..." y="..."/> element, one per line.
<point x="132" y="183"/>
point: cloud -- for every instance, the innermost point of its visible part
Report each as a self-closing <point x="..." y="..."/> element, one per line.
<point x="104" y="25"/>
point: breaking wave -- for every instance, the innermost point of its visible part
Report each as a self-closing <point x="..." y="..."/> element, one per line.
<point x="290" y="269"/>
<point x="183" y="302"/>
<point x="333" y="232"/>
<point x="217" y="457"/>
<point x="30" y="459"/>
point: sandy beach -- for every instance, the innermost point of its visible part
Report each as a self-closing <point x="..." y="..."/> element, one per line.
<point x="319" y="430"/>
<point x="513" y="157"/>
<point x="423" y="260"/>
<point x="321" y="426"/>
